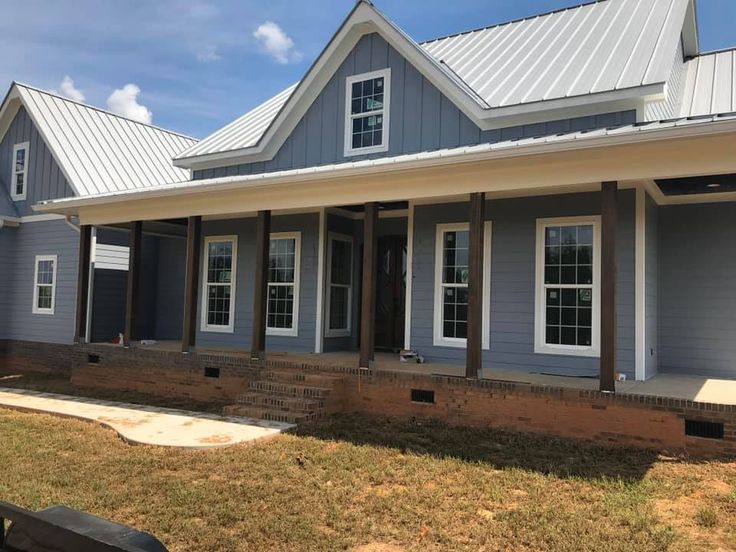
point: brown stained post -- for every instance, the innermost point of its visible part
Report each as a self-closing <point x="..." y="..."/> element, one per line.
<point x="260" y="285"/>
<point x="191" y="285"/>
<point x="608" y="287"/>
<point x="134" y="268"/>
<point x="85" y="248"/>
<point x="474" y="353"/>
<point x="368" y="293"/>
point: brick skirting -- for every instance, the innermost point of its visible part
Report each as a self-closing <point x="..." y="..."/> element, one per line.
<point x="31" y="356"/>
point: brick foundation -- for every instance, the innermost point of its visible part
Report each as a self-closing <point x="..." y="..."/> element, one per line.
<point x="29" y="356"/>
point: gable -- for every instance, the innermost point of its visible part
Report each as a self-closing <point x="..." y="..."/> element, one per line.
<point x="45" y="179"/>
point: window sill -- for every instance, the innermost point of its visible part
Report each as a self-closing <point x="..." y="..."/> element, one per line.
<point x="217" y="329"/>
<point x="588" y="352"/>
<point x="43" y="312"/>
<point x="365" y="151"/>
<point x="282" y="332"/>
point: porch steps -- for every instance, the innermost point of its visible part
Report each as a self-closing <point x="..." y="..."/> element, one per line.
<point x="285" y="395"/>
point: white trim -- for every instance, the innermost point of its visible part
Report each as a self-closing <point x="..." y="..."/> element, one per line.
<point x="91" y="284"/>
<point x="438" y="339"/>
<point x="342" y="332"/>
<point x="349" y="150"/>
<point x="36" y="309"/>
<point x="539" y="297"/>
<point x="26" y="147"/>
<point x="320" y="322"/>
<point x="204" y="326"/>
<point x="640" y="321"/>
<point x="409" y="275"/>
<point x="294" y="330"/>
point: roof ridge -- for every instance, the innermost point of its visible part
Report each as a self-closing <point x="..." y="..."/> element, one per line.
<point x="511" y="21"/>
<point x="107" y="112"/>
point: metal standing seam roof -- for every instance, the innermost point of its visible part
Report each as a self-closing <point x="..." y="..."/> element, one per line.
<point x="710" y="84"/>
<point x="597" y="47"/>
<point x="101" y="152"/>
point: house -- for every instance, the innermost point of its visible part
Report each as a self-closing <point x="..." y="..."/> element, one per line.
<point x="50" y="148"/>
<point x="552" y="195"/>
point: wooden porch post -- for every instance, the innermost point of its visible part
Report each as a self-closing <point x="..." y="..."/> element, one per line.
<point x="474" y="353"/>
<point x="608" y="287"/>
<point x="368" y="292"/>
<point x="85" y="247"/>
<point x="260" y="286"/>
<point x="191" y="285"/>
<point x="134" y="266"/>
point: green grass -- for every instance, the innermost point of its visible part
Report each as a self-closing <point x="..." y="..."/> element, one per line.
<point x="354" y="481"/>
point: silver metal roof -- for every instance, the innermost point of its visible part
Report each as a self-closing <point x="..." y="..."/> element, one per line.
<point x="710" y="84"/>
<point x="100" y="152"/>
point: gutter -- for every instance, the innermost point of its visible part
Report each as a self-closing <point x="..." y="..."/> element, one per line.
<point x="686" y="128"/>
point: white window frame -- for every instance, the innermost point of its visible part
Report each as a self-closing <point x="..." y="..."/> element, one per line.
<point x="540" y="344"/>
<point x="386" y="74"/>
<point x="36" y="308"/>
<point x="205" y="326"/>
<point x="294" y="330"/>
<point x="14" y="175"/>
<point x="341" y="332"/>
<point x="439" y="339"/>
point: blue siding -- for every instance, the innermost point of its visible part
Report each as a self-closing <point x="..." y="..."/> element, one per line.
<point x="45" y="180"/>
<point x="652" y="289"/>
<point x="697" y="289"/>
<point x="7" y="254"/>
<point x="421" y="118"/>
<point x="245" y="229"/>
<point x="513" y="280"/>
<point x="171" y="270"/>
<point x="31" y="239"/>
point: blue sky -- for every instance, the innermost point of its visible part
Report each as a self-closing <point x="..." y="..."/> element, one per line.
<point x="198" y="64"/>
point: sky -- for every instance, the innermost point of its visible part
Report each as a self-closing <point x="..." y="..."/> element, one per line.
<point x="195" y="65"/>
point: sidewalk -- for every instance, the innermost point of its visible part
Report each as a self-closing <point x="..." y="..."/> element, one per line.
<point x="147" y="425"/>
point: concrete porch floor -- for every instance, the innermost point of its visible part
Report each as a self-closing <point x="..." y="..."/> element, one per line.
<point x="676" y="386"/>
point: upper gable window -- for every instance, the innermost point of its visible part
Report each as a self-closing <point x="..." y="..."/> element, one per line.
<point x="366" y="112"/>
<point x="19" y="174"/>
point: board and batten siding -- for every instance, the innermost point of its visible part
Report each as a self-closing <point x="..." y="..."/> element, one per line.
<point x="245" y="230"/>
<point x="697" y="289"/>
<point x="45" y="179"/>
<point x="31" y="239"/>
<point x="421" y="118"/>
<point x="513" y="258"/>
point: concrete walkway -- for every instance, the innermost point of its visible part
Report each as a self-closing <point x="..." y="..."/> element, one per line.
<point x="147" y="425"/>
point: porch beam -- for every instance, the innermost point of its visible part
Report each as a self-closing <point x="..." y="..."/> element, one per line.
<point x="474" y="353"/>
<point x="368" y="291"/>
<point x="191" y="284"/>
<point x="134" y="265"/>
<point x="608" y="287"/>
<point x="85" y="255"/>
<point x="260" y="286"/>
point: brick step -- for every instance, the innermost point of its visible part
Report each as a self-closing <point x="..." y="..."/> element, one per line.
<point x="259" y="413"/>
<point x="289" y="389"/>
<point x="301" y="377"/>
<point x="278" y="402"/>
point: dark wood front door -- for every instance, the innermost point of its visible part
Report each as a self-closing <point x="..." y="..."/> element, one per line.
<point x="390" y="293"/>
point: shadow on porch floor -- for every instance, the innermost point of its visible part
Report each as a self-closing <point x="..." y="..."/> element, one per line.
<point x="676" y="386"/>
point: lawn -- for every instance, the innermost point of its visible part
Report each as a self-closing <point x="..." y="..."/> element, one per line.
<point x="374" y="484"/>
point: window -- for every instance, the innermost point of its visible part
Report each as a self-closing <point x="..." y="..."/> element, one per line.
<point x="451" y="285"/>
<point x="568" y="275"/>
<point x="283" y="284"/>
<point x="340" y="280"/>
<point x="19" y="174"/>
<point x="366" y="112"/>
<point x="220" y="262"/>
<point x="44" y="287"/>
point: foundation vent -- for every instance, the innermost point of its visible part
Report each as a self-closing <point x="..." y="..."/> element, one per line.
<point x="93" y="359"/>
<point x="422" y="396"/>
<point x="707" y="430"/>
<point x="210" y="372"/>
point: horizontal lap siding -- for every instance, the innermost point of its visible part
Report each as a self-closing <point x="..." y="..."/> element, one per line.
<point x="42" y="238"/>
<point x="172" y="254"/>
<point x="7" y="254"/>
<point x="697" y="289"/>
<point x="513" y="282"/>
<point x="45" y="180"/>
<point x="245" y="229"/>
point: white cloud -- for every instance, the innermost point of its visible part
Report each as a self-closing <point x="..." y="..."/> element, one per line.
<point x="277" y="43"/>
<point x="124" y="101"/>
<point x="68" y="90"/>
<point x="208" y="53"/>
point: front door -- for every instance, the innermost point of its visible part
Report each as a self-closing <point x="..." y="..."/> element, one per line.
<point x="390" y="293"/>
